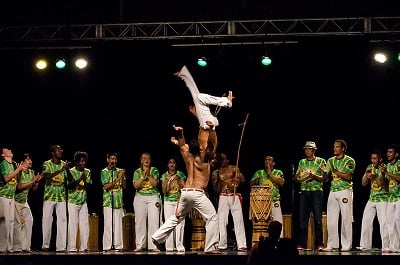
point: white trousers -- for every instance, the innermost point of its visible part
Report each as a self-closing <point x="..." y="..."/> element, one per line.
<point x="23" y="222"/>
<point x="175" y="240"/>
<point x="230" y="203"/>
<point x="78" y="216"/>
<point x="112" y="216"/>
<point x="393" y="225"/>
<point x="202" y="100"/>
<point x="147" y="219"/>
<point x="340" y="203"/>
<point x="191" y="198"/>
<point x="47" y="222"/>
<point x="276" y="213"/>
<point x="372" y="209"/>
<point x="6" y="224"/>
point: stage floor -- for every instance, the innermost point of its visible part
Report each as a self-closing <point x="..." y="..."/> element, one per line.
<point x="188" y="257"/>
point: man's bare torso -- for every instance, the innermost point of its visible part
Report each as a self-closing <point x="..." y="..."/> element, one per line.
<point x="198" y="173"/>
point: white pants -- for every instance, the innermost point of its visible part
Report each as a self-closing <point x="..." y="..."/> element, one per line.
<point x="340" y="203"/>
<point x="22" y="231"/>
<point x="393" y="225"/>
<point x="202" y="101"/>
<point x="6" y="224"/>
<point x="191" y="198"/>
<point x="112" y="216"/>
<point x="175" y="240"/>
<point x="47" y="222"/>
<point x="78" y="216"/>
<point x="372" y="209"/>
<point x="276" y="213"/>
<point x="147" y="219"/>
<point x="230" y="203"/>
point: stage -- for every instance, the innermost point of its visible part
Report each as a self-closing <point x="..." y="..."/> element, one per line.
<point x="189" y="257"/>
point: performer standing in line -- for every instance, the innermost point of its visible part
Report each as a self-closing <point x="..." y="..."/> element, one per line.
<point x="23" y="221"/>
<point x="114" y="181"/>
<point x="392" y="173"/>
<point x="311" y="177"/>
<point x="172" y="181"/>
<point x="79" y="179"/>
<point x="376" y="206"/>
<point x="193" y="195"/>
<point x="55" y="199"/>
<point x="146" y="203"/>
<point x="208" y="122"/>
<point x="340" y="199"/>
<point x="10" y="174"/>
<point x="226" y="179"/>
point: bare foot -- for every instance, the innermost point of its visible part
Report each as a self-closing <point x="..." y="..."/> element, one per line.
<point x="230" y="95"/>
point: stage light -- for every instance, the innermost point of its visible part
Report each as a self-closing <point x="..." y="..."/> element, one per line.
<point x="202" y="62"/>
<point x="398" y="57"/>
<point x="380" y="57"/>
<point x="41" y="64"/>
<point x="60" y="63"/>
<point x="80" y="63"/>
<point x="265" y="60"/>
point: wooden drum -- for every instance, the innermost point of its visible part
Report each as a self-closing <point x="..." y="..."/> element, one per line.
<point x="198" y="230"/>
<point x="260" y="210"/>
<point x="128" y="232"/>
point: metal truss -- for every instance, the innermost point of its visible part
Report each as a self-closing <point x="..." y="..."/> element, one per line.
<point x="208" y="32"/>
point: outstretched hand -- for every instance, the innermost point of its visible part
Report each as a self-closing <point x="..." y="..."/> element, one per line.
<point x="174" y="140"/>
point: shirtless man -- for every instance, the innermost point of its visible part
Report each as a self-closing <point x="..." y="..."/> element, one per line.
<point x="193" y="195"/>
<point x="225" y="181"/>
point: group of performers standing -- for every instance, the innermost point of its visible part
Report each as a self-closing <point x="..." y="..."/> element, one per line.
<point x="66" y="188"/>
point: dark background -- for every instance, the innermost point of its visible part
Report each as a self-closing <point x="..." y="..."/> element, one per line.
<point x="319" y="89"/>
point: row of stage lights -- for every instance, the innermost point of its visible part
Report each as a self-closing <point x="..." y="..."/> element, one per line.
<point x="81" y="63"/>
<point x="264" y="60"/>
<point x="43" y="64"/>
<point x="379" y="57"/>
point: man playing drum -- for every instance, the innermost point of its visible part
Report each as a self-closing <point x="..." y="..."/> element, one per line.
<point x="272" y="179"/>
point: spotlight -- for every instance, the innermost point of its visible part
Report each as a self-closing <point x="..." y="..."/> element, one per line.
<point x="81" y="63"/>
<point x="380" y="57"/>
<point x="202" y="62"/>
<point x="265" y="60"/>
<point x="41" y="64"/>
<point x="60" y="63"/>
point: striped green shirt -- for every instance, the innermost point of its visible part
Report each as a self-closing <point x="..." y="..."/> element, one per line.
<point x="265" y="180"/>
<point x="7" y="190"/>
<point x="107" y="175"/>
<point x="394" y="187"/>
<point x="346" y="164"/>
<point x="22" y="196"/>
<point x="314" y="167"/>
<point x="54" y="188"/>
<point x="377" y="193"/>
<point x="146" y="188"/>
<point x="175" y="191"/>
<point x="78" y="195"/>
